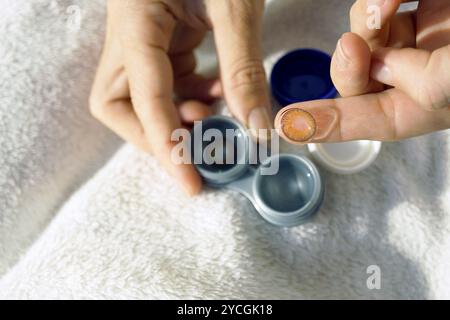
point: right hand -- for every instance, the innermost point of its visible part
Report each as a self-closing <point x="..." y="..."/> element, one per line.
<point x="395" y="81"/>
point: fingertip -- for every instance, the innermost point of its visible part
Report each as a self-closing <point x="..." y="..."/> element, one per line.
<point x="172" y="156"/>
<point x="191" y="181"/>
<point x="216" y="90"/>
<point x="355" y="49"/>
<point x="187" y="177"/>
<point x="351" y="65"/>
<point x="193" y="110"/>
<point x="259" y="122"/>
<point x="349" y="37"/>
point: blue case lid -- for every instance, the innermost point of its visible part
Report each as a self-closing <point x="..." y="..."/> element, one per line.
<point x="302" y="75"/>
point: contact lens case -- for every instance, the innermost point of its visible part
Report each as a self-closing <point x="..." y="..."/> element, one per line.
<point x="285" y="189"/>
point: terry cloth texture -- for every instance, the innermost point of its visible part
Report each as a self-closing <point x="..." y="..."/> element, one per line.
<point x="83" y="216"/>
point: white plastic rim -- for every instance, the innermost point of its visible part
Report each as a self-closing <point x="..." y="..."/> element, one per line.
<point x="346" y="157"/>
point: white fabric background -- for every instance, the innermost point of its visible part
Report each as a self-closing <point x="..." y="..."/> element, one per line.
<point x="77" y="221"/>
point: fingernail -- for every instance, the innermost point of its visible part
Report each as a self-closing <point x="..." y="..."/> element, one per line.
<point x="301" y="126"/>
<point x="259" y="123"/>
<point x="381" y="72"/>
<point x="378" y="3"/>
<point x="342" y="58"/>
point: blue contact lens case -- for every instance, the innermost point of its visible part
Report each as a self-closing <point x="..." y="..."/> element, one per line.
<point x="302" y="75"/>
<point x="285" y="197"/>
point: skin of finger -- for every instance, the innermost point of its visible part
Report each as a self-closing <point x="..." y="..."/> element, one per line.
<point x="159" y="116"/>
<point x="188" y="84"/>
<point x="359" y="17"/>
<point x="402" y="31"/>
<point x="186" y="38"/>
<point x="151" y="85"/>
<point x="110" y="97"/>
<point x="237" y="31"/>
<point x="419" y="73"/>
<point x="193" y="110"/>
<point x="355" y="79"/>
<point x="352" y="76"/>
<point x="110" y="104"/>
<point x="181" y="51"/>
<point x="195" y="86"/>
<point x="433" y="24"/>
<point x="387" y="116"/>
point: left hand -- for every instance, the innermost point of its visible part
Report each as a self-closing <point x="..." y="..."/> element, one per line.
<point x="148" y="59"/>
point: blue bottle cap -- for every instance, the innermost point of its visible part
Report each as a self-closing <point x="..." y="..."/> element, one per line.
<point x="302" y="75"/>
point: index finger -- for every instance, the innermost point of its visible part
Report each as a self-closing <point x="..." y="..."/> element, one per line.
<point x="147" y="28"/>
<point x="386" y="116"/>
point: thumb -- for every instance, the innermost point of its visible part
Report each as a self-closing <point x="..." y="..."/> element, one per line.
<point x="421" y="74"/>
<point x="237" y="31"/>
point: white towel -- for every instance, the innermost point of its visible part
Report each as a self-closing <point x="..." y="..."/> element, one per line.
<point x="74" y="224"/>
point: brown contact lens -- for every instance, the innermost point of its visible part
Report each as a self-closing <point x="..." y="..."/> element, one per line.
<point x="298" y="125"/>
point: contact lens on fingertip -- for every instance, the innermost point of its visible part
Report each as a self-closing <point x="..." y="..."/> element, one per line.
<point x="298" y="125"/>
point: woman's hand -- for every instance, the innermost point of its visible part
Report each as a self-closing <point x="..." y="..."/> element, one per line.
<point x="146" y="85"/>
<point x="395" y="80"/>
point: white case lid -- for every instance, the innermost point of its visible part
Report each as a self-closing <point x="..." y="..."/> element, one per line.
<point x="346" y="157"/>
